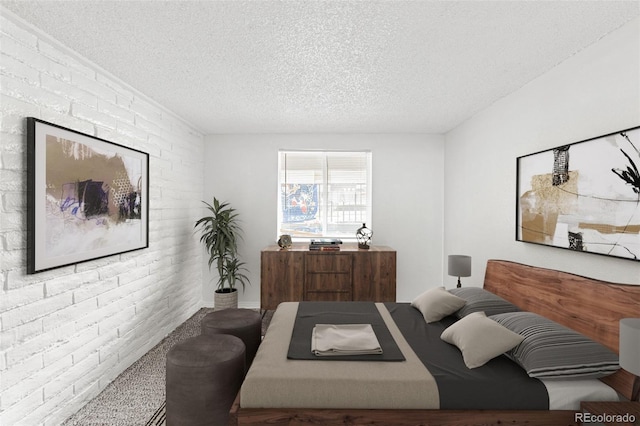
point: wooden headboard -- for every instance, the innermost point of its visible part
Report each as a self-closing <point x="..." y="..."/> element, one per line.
<point x="589" y="306"/>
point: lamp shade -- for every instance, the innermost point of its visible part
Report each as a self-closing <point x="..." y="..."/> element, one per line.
<point x="630" y="345"/>
<point x="459" y="265"/>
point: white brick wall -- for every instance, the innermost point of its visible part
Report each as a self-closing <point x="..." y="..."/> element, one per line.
<point x="66" y="333"/>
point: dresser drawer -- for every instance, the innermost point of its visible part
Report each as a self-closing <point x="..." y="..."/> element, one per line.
<point x="328" y="282"/>
<point x="324" y="296"/>
<point x="328" y="262"/>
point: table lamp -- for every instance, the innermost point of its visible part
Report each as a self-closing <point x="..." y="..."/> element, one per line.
<point x="630" y="351"/>
<point x="459" y="266"/>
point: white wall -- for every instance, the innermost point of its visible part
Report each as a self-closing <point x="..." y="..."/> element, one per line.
<point x="66" y="333"/>
<point x="595" y="92"/>
<point x="407" y="198"/>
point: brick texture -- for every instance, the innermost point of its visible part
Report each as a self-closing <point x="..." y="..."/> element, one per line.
<point x="66" y="333"/>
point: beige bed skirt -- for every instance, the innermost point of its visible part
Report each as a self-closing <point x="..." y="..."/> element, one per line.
<point x="273" y="381"/>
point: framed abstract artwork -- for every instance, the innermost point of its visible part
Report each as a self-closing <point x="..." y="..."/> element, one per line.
<point x="584" y="196"/>
<point x="87" y="198"/>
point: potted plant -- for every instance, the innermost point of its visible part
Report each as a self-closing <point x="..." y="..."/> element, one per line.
<point x="220" y="233"/>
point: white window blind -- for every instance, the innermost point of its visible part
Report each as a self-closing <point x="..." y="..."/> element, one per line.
<point x="323" y="193"/>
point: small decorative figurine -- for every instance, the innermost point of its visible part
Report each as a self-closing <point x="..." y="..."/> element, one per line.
<point x="284" y="241"/>
<point x="363" y="235"/>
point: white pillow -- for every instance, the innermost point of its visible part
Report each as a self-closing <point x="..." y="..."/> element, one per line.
<point x="437" y="303"/>
<point x="480" y="339"/>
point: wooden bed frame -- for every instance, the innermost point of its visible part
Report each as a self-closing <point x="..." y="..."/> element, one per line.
<point x="587" y="305"/>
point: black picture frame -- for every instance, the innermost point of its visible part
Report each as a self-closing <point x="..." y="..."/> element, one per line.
<point x="87" y="198"/>
<point x="584" y="196"/>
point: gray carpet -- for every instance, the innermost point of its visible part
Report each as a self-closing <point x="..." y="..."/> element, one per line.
<point x="137" y="396"/>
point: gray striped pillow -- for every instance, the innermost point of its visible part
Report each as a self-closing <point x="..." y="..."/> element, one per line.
<point x="481" y="300"/>
<point x="552" y="351"/>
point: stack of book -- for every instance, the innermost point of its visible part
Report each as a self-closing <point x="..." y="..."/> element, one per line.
<point x="325" y="244"/>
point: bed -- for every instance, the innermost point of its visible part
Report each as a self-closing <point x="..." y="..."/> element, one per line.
<point x="402" y="393"/>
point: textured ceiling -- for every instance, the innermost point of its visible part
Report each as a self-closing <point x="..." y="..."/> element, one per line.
<point x="326" y="66"/>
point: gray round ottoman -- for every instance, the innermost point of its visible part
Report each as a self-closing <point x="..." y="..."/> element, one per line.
<point x="245" y="324"/>
<point x="204" y="374"/>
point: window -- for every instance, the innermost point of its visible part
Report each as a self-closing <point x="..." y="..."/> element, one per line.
<point x="323" y="193"/>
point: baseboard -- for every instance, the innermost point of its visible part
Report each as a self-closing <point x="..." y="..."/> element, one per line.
<point x="244" y="305"/>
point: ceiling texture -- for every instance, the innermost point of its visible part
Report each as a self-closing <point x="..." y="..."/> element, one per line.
<point x="326" y="66"/>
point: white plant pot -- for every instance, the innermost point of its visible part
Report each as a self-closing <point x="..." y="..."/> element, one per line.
<point x="225" y="300"/>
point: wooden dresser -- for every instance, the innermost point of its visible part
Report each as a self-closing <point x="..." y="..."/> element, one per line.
<point x="299" y="274"/>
